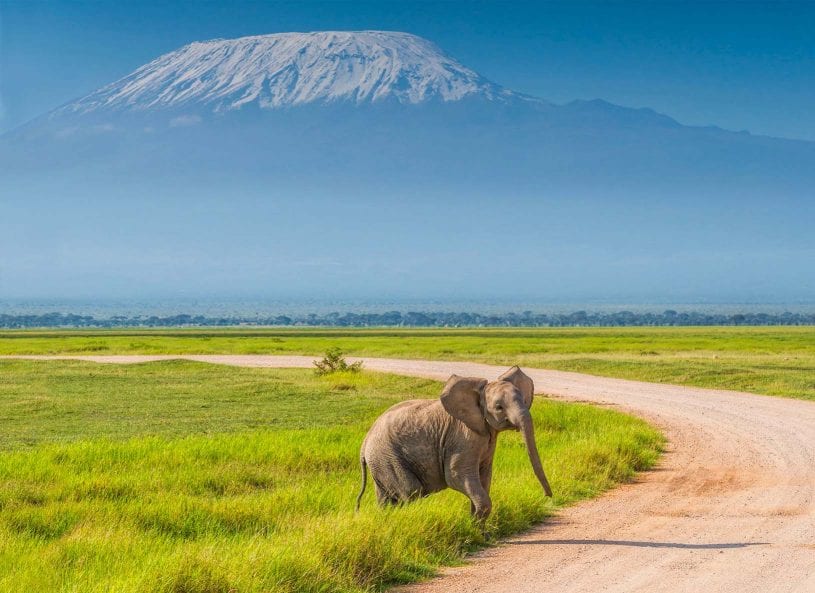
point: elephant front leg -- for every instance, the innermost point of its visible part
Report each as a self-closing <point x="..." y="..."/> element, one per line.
<point x="480" y="502"/>
<point x="485" y="477"/>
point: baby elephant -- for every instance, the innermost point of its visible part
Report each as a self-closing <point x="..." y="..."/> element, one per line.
<point x="418" y="447"/>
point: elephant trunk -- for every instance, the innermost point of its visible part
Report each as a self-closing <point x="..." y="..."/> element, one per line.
<point x="527" y="429"/>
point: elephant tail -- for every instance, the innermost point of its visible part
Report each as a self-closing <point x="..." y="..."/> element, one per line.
<point x="364" y="467"/>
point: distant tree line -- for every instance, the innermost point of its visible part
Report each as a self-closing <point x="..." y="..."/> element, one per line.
<point x="416" y="319"/>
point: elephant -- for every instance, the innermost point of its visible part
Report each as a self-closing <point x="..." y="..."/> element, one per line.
<point x="418" y="447"/>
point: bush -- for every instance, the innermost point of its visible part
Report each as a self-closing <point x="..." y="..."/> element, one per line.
<point x="334" y="362"/>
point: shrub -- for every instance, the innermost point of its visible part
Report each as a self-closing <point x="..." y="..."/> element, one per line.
<point x="334" y="362"/>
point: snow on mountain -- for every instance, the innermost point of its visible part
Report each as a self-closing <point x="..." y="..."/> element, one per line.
<point x="288" y="69"/>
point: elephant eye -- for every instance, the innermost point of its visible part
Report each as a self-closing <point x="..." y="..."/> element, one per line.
<point x="498" y="407"/>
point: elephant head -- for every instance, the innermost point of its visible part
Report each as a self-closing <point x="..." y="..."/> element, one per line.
<point x="501" y="405"/>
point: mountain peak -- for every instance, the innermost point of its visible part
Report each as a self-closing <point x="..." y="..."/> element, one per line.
<point x="288" y="69"/>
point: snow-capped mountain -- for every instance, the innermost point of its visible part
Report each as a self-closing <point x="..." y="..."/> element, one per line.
<point x="295" y="157"/>
<point x="379" y="107"/>
<point x="288" y="69"/>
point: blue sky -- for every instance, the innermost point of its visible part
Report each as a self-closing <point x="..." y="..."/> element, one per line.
<point x="736" y="65"/>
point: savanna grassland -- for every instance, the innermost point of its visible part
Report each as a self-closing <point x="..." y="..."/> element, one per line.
<point x="185" y="477"/>
<point x="769" y="360"/>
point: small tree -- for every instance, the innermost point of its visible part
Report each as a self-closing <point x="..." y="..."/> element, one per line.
<point x="334" y="362"/>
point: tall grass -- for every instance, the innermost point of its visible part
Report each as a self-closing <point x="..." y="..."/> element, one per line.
<point x="189" y="505"/>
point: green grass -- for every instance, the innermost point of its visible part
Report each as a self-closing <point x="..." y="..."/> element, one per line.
<point x="769" y="360"/>
<point x="185" y="477"/>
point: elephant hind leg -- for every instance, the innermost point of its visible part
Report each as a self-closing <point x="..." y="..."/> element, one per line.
<point x="404" y="489"/>
<point x="384" y="498"/>
<point x="411" y="487"/>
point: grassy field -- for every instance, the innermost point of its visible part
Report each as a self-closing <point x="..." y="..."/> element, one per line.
<point x="769" y="360"/>
<point x="184" y="477"/>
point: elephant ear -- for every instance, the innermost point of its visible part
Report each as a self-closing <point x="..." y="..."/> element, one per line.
<point x="463" y="398"/>
<point x="522" y="383"/>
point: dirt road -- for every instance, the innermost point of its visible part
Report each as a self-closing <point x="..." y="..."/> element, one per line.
<point x="730" y="509"/>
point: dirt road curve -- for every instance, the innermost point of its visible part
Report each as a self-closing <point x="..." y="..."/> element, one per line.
<point x="731" y="508"/>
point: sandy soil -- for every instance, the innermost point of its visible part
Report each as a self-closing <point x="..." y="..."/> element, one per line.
<point x="731" y="508"/>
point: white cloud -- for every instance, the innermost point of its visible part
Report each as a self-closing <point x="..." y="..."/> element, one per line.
<point x="184" y="120"/>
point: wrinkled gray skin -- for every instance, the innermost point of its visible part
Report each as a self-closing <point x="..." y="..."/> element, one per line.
<point x="418" y="447"/>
